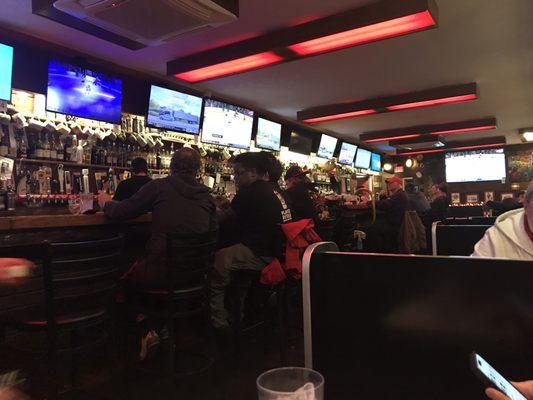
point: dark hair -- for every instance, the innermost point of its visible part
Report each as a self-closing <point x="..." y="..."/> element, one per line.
<point x="410" y="187"/>
<point x="520" y="193"/>
<point x="272" y="165"/>
<point x="443" y="187"/>
<point x="186" y="161"/>
<point x="252" y="161"/>
<point x="139" y="165"/>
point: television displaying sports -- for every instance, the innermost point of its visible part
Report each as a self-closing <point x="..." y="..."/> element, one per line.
<point x="475" y="166"/>
<point x="327" y="146"/>
<point x="362" y="160"/>
<point x="84" y="93"/>
<point x="300" y="143"/>
<point x="174" y="111"/>
<point x="268" y="135"/>
<point x="6" y="71"/>
<point x="227" y="125"/>
<point x="375" y="162"/>
<point x="347" y="153"/>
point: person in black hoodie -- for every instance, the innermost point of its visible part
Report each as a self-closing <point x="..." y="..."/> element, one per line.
<point x="179" y="204"/>
<point x="439" y="205"/>
<point x="129" y="187"/>
<point x="298" y="193"/>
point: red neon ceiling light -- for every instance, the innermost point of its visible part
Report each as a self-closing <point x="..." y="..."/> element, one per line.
<point x="434" y="102"/>
<point x="382" y="30"/>
<point x="464" y="130"/>
<point x="412" y="153"/>
<point x="339" y="116"/>
<point x="230" y="67"/>
<point x="385" y="139"/>
<point x="479" y="146"/>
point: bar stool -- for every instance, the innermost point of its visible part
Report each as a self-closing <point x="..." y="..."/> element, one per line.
<point x="79" y="282"/>
<point x="185" y="293"/>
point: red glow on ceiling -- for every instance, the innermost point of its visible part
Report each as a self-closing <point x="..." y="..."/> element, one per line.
<point x="230" y="67"/>
<point x="464" y="130"/>
<point x="365" y="34"/>
<point x="434" y="102"/>
<point x="415" y="135"/>
<point x="412" y="153"/>
<point x="339" y="116"/>
<point x="479" y="146"/>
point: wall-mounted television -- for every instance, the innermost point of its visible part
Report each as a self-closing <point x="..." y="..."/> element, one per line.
<point x="475" y="165"/>
<point x="174" y="111"/>
<point x="362" y="160"/>
<point x="84" y="93"/>
<point x="327" y="146"/>
<point x="300" y="143"/>
<point x="268" y="135"/>
<point x="347" y="153"/>
<point x="227" y="125"/>
<point x="375" y="162"/>
<point x="6" y="71"/>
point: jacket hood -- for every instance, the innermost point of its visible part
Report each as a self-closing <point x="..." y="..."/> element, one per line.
<point x="511" y="226"/>
<point x="188" y="186"/>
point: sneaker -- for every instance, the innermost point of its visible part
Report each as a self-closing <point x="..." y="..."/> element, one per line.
<point x="149" y="344"/>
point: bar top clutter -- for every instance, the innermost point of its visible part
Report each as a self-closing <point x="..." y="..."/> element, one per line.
<point x="18" y="222"/>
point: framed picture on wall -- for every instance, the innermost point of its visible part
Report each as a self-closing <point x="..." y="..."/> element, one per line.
<point x="472" y="198"/>
<point x="507" y="195"/>
<point x="489" y="196"/>
<point x="456" y="198"/>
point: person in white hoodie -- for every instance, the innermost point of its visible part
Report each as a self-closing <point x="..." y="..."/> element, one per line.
<point x="512" y="234"/>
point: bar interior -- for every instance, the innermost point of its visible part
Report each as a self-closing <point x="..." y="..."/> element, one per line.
<point x="276" y="200"/>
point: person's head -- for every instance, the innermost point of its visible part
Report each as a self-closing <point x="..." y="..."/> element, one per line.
<point x="139" y="166"/>
<point x="528" y="204"/>
<point x="273" y="166"/>
<point x="520" y="196"/>
<point x="249" y="168"/>
<point x="295" y="175"/>
<point x="393" y="184"/>
<point x="410" y="188"/>
<point x="185" y="161"/>
<point x="439" y="189"/>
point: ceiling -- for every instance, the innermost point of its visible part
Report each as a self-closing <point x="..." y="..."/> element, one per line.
<point x="485" y="41"/>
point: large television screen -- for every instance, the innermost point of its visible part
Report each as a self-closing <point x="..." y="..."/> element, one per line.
<point x="300" y="143"/>
<point x="268" y="135"/>
<point x="6" y="71"/>
<point x="375" y="162"/>
<point x="227" y="125"/>
<point x="347" y="153"/>
<point x="84" y="93"/>
<point x="362" y="160"/>
<point x="327" y="146"/>
<point x="475" y="166"/>
<point x="174" y="111"/>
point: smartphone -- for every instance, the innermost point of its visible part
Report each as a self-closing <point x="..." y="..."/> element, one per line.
<point x="492" y="378"/>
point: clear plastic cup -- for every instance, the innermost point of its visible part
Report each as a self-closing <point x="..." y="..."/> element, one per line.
<point x="290" y="383"/>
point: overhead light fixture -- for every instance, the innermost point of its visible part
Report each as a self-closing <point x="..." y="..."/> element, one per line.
<point x="424" y="98"/>
<point x="370" y="23"/>
<point x="388" y="167"/>
<point x="425" y="132"/>
<point x="409" y="163"/>
<point x="527" y="134"/>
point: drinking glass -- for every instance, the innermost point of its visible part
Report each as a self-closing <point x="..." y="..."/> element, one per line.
<point x="290" y="383"/>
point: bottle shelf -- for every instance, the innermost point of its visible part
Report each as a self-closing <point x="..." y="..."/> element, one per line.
<point x="65" y="163"/>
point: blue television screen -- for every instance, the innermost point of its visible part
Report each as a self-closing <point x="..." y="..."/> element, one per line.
<point x="6" y="71"/>
<point x="375" y="162"/>
<point x="83" y="93"/>
<point x="362" y="160"/>
<point x="173" y="110"/>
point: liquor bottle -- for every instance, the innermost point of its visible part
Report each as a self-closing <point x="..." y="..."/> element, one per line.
<point x="39" y="150"/>
<point x="4" y="141"/>
<point x="22" y="148"/>
<point x="129" y="155"/>
<point x="109" y="154"/>
<point x="79" y="152"/>
<point x="87" y="152"/>
<point x="46" y="146"/>
<point x="53" y="147"/>
<point x="114" y="158"/>
<point x="158" y="160"/>
<point x="101" y="154"/>
<point x="94" y="153"/>
<point x="60" y="150"/>
<point x="70" y="149"/>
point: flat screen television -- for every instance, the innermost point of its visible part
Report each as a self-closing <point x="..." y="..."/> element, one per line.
<point x="174" y="111"/>
<point x="327" y="146"/>
<point x="375" y="162"/>
<point x="362" y="160"/>
<point x="300" y="144"/>
<point x="227" y="125"/>
<point x="6" y="71"/>
<point x="475" y="166"/>
<point x="83" y="93"/>
<point x="268" y="135"/>
<point x="347" y="153"/>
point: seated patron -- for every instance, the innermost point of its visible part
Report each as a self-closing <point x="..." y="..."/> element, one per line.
<point x="512" y="234"/>
<point x="439" y="205"/>
<point x="129" y="187"/>
<point x="417" y="200"/>
<point x="259" y="209"/>
<point x="298" y="193"/>
<point x="179" y="204"/>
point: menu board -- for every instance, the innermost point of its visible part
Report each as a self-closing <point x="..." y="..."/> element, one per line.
<point x="327" y="146"/>
<point x="268" y="135"/>
<point x="363" y="159"/>
<point x="347" y="153"/>
<point x="227" y="125"/>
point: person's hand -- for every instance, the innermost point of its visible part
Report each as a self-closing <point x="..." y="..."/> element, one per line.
<point x="103" y="198"/>
<point x="14" y="271"/>
<point x="382" y="193"/>
<point x="526" y="388"/>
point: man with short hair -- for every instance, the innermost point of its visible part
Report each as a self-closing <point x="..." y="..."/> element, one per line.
<point x="129" y="187"/>
<point x="395" y="205"/>
<point x="439" y="205"/>
<point x="259" y="210"/>
<point x="298" y="186"/>
<point x="512" y="234"/>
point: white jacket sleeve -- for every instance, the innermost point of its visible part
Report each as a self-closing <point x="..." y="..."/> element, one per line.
<point x="486" y="247"/>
